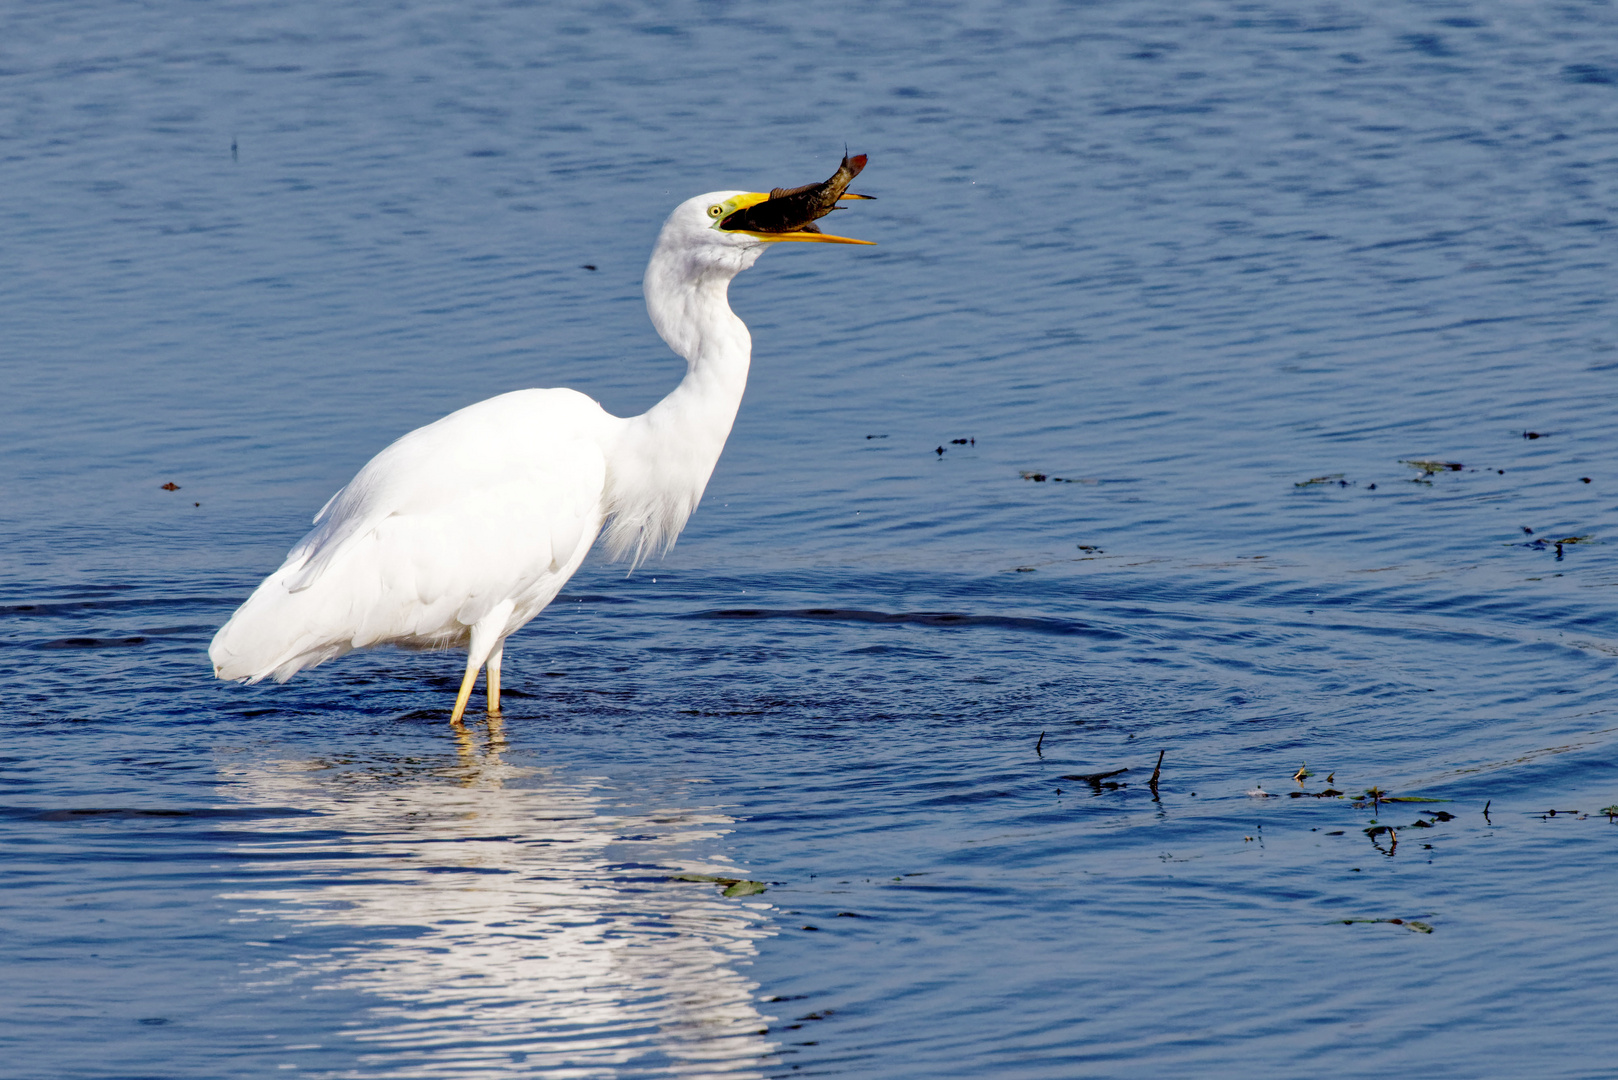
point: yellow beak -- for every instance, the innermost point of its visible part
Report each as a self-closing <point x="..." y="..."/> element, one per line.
<point x="810" y="238"/>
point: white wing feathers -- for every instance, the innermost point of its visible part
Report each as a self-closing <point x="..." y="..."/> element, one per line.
<point x="499" y="501"/>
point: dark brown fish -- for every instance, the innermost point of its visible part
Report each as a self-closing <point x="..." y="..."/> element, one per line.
<point x="796" y="209"/>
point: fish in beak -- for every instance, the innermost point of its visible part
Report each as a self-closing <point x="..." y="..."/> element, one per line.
<point x="786" y="214"/>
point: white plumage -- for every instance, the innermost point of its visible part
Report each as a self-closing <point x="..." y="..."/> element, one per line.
<point x="462" y="531"/>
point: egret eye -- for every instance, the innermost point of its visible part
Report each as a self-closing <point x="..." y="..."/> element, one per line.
<point x="716" y="211"/>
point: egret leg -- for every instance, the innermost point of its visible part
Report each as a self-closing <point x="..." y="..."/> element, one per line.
<point x="488" y="637"/>
<point x="493" y="687"/>
<point x="465" y="695"/>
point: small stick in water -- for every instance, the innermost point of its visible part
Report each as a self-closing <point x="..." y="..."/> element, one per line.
<point x="1152" y="783"/>
<point x="1040" y="743"/>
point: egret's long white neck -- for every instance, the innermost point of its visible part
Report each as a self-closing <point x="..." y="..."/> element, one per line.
<point x="662" y="462"/>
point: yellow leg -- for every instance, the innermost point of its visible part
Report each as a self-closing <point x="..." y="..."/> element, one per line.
<point x="493" y="687"/>
<point x="465" y="694"/>
<point x="484" y="646"/>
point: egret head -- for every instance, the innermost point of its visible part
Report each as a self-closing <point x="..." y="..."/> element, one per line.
<point x="720" y="234"/>
<point x="723" y="225"/>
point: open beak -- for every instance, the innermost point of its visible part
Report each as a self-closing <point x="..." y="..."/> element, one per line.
<point x="810" y="235"/>
<point x="790" y="215"/>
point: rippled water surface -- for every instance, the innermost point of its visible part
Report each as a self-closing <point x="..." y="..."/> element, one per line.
<point x="1197" y="282"/>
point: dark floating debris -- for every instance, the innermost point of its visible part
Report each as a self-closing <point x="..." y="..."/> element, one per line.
<point x="1156" y="772"/>
<point x="1543" y="542"/>
<point x="1335" y="477"/>
<point x="1584" y="479"/>
<point x="1409" y="924"/>
<point x="91" y="643"/>
<point x="876" y="436"/>
<point x="1611" y="812"/>
<point x="1039" y="744"/>
<point x="1393" y="838"/>
<point x="1100" y="780"/>
<point x="939" y="451"/>
<point x="171" y="486"/>
<point x="972" y="441"/>
<point x="588" y="266"/>
<point x="1532" y="435"/>
<point x="1040" y="478"/>
<point x="1092" y="549"/>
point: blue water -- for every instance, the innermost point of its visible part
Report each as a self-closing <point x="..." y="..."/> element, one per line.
<point x="1211" y="270"/>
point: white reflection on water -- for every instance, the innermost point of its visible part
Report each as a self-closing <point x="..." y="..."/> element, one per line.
<point x="509" y="941"/>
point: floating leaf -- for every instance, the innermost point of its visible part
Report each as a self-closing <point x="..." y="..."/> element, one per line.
<point x="1429" y="467"/>
<point x="733" y="886"/>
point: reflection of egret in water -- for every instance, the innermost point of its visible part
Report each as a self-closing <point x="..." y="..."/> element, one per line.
<point x="505" y="938"/>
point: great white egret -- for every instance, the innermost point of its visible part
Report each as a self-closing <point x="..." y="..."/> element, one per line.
<point x="463" y="530"/>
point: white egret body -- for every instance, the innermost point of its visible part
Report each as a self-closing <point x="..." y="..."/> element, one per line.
<point x="463" y="530"/>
